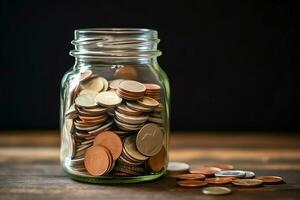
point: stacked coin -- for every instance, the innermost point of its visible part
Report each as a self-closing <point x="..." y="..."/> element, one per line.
<point x="131" y="90"/>
<point x="153" y="91"/>
<point x="132" y="110"/>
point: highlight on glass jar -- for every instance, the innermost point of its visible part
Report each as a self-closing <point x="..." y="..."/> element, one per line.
<point x="115" y="108"/>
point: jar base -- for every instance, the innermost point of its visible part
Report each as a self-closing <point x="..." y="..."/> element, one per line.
<point x="116" y="180"/>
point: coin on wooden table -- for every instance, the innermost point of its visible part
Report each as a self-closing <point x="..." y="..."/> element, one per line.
<point x="85" y="74"/>
<point x="97" y="84"/>
<point x="108" y="99"/>
<point x="247" y="182"/>
<point x="148" y="102"/>
<point x="231" y="173"/>
<point x="191" y="183"/>
<point x="157" y="162"/>
<point x="216" y="190"/>
<point x="86" y="100"/>
<point x="175" y="168"/>
<point x="97" y="160"/>
<point x="111" y="141"/>
<point x="219" y="180"/>
<point x="207" y="171"/>
<point x="114" y="84"/>
<point x="191" y="176"/>
<point x="221" y="166"/>
<point x="270" y="179"/>
<point x="131" y="149"/>
<point x="149" y="139"/>
<point x="249" y="174"/>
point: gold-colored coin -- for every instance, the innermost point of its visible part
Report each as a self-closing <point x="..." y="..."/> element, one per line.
<point x="149" y="139"/>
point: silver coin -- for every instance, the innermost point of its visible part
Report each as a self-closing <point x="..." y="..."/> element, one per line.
<point x="249" y="174"/>
<point x="216" y="190"/>
<point x="231" y="173"/>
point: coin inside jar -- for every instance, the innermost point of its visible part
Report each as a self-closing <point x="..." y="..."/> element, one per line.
<point x="108" y="99"/>
<point x="95" y="84"/>
<point x="97" y="160"/>
<point x="158" y="161"/>
<point x="149" y="139"/>
<point x="111" y="141"/>
<point x="86" y="100"/>
<point x="132" y="86"/>
<point x="148" y="102"/>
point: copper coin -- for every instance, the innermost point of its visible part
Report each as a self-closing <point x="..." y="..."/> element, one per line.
<point x="148" y="102"/>
<point x="207" y="171"/>
<point x="132" y="86"/>
<point x="191" y="176"/>
<point x="247" y="182"/>
<point x="218" y="180"/>
<point x="157" y="162"/>
<point x="221" y="166"/>
<point x="152" y="87"/>
<point x="108" y="99"/>
<point x="191" y="183"/>
<point x="111" y="141"/>
<point x="126" y="72"/>
<point x="149" y="139"/>
<point x="97" y="160"/>
<point x="102" y="128"/>
<point x="270" y="179"/>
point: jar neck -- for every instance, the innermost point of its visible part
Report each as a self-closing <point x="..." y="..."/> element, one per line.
<point x="83" y="62"/>
<point x="110" y="46"/>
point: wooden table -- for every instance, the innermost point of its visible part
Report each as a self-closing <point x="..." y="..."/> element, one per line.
<point x="30" y="169"/>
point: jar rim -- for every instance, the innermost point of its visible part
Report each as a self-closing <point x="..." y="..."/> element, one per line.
<point x="116" y="30"/>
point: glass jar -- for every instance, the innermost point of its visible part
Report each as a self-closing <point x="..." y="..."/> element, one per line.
<point x="115" y="108"/>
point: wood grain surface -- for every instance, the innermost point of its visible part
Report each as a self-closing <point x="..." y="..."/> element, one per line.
<point x="30" y="168"/>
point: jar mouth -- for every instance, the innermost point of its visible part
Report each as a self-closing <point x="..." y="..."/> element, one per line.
<point x="117" y="30"/>
<point x="115" y="42"/>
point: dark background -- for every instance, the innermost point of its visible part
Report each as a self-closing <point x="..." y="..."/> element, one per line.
<point x="233" y="65"/>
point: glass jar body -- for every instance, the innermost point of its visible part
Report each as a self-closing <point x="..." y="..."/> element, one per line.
<point x="131" y="123"/>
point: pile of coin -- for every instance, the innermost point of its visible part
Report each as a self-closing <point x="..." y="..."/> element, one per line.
<point x="215" y="176"/>
<point x="116" y="127"/>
